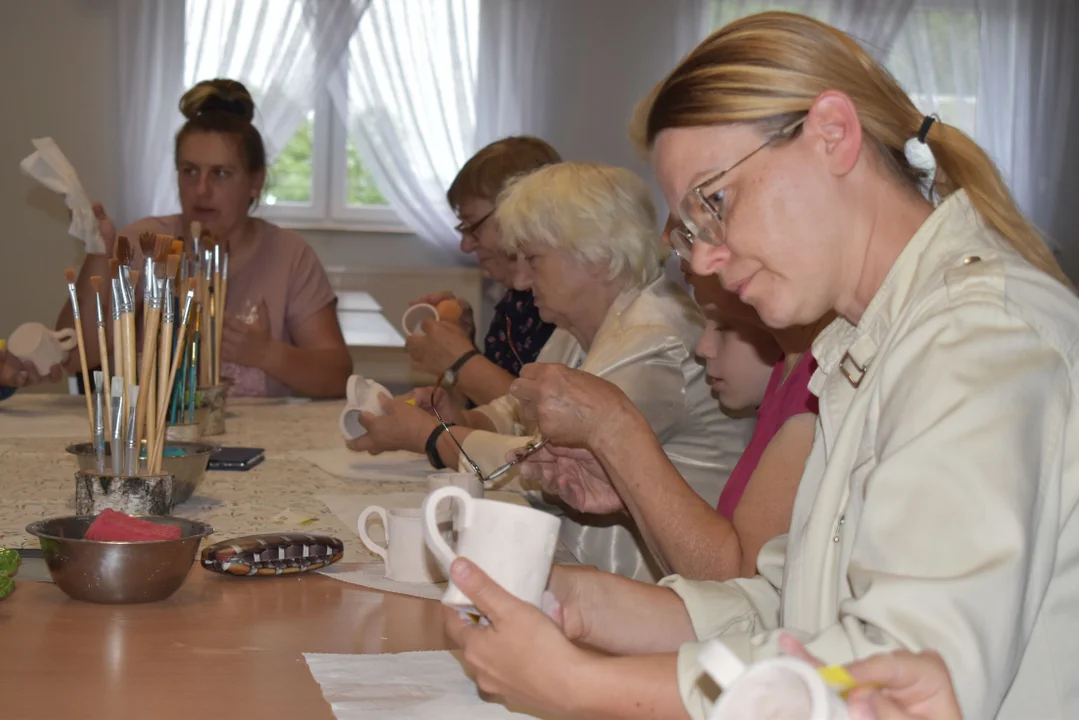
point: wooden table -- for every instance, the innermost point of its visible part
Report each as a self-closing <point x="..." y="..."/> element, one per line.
<point x="221" y="647"/>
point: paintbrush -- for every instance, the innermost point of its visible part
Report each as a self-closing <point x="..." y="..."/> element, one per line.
<point x="164" y="351"/>
<point x="147" y="426"/>
<point x="69" y="275"/>
<point x="181" y="347"/>
<point x="99" y="421"/>
<point x="117" y="441"/>
<point x="206" y="375"/>
<point x="117" y="318"/>
<point x="103" y="350"/>
<point x="127" y="313"/>
<point x="219" y="312"/>
<point x="131" y="457"/>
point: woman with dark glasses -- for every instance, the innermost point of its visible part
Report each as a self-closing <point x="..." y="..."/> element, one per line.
<point x="517" y="333"/>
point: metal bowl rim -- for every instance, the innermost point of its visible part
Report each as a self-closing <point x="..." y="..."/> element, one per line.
<point x="208" y="448"/>
<point x="204" y="530"/>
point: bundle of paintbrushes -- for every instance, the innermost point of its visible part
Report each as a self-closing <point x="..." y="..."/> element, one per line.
<point x="208" y="268"/>
<point x="128" y="409"/>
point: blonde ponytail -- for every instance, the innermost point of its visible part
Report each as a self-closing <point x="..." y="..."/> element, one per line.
<point x="767" y="67"/>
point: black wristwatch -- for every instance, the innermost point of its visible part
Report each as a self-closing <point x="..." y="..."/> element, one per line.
<point x="451" y="374"/>
<point x="431" y="447"/>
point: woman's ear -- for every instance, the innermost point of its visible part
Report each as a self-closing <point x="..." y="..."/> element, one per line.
<point x="836" y="131"/>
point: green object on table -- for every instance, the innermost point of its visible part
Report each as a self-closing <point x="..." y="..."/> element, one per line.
<point x="167" y="452"/>
<point x="9" y="562"/>
<point x="9" y="565"/>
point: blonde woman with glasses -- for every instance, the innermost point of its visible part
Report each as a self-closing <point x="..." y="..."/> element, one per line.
<point x="938" y="506"/>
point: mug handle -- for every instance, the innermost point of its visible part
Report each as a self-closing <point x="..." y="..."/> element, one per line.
<point x="438" y="546"/>
<point x="720" y="663"/>
<point x="65" y="338"/>
<point x="361" y="527"/>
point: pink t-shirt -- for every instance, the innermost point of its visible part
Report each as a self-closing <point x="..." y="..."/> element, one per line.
<point x="781" y="402"/>
<point x="283" y="270"/>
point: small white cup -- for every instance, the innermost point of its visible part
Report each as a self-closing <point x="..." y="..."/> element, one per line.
<point x="34" y="343"/>
<point x="363" y="396"/>
<point x="406" y="556"/>
<point x="469" y="482"/>
<point x="514" y="545"/>
<point x="784" y="688"/>
<point x="414" y="317"/>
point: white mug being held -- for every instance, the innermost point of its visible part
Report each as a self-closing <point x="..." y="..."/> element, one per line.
<point x="513" y="544"/>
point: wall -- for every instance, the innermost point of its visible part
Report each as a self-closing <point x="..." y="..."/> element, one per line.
<point x="58" y="81"/>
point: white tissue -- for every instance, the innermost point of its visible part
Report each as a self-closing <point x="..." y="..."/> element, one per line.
<point x="48" y="166"/>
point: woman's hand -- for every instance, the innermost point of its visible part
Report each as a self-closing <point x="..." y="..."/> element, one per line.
<point x="401" y="427"/>
<point x="574" y="476"/>
<point x="570" y="407"/>
<point x="438" y="348"/>
<point x="14" y="373"/>
<point x="522" y="656"/>
<point x="466" y="322"/>
<point x="246" y="344"/>
<point x="899" y="685"/>
<point x="432" y="398"/>
<point x="107" y="228"/>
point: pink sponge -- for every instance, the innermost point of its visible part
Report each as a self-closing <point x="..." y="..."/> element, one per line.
<point x="112" y="526"/>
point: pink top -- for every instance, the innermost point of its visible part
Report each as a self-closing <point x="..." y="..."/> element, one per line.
<point x="781" y="402"/>
<point x="283" y="270"/>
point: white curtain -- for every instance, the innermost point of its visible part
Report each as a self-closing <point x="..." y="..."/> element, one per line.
<point x="280" y="49"/>
<point x="407" y="98"/>
<point x="1025" y="103"/>
<point x="150" y="53"/>
<point x="873" y="23"/>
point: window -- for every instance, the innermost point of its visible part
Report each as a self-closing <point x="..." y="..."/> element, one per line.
<point x="316" y="177"/>
<point x="935" y="56"/>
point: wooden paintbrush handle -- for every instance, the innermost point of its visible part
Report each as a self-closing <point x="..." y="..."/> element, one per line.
<point x="103" y="353"/>
<point x="149" y="348"/>
<point x="177" y="357"/>
<point x="85" y="377"/>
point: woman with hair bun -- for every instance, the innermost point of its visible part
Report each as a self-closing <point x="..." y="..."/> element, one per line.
<point x="293" y="344"/>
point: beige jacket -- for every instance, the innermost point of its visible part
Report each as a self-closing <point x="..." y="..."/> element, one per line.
<point x="938" y="505"/>
<point x="645" y="347"/>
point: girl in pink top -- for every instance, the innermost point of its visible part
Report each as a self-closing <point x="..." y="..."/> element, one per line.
<point x="783" y="399"/>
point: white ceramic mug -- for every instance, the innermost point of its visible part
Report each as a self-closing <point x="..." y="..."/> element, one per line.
<point x="513" y="544"/>
<point x="468" y="482"/>
<point x="37" y="344"/>
<point x="783" y="688"/>
<point x="414" y="317"/>
<point x="363" y="396"/>
<point x="405" y="553"/>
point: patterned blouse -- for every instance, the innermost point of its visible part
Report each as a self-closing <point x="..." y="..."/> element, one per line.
<point x="526" y="332"/>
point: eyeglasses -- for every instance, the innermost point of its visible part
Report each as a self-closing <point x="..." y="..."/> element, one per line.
<point x="525" y="452"/>
<point x="702" y="213"/>
<point x="471" y="228"/>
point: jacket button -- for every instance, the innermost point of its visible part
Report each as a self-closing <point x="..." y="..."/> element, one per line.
<point x="970" y="259"/>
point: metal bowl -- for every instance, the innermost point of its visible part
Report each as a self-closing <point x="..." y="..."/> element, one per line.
<point x="187" y="470"/>
<point x="117" y="572"/>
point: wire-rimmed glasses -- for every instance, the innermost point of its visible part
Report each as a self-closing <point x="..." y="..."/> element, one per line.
<point x="525" y="452"/>
<point x="702" y="213"/>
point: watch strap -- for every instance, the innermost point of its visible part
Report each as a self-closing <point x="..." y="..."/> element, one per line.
<point x="455" y="369"/>
<point x="431" y="446"/>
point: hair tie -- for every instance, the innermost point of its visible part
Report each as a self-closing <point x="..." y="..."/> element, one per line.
<point x="923" y="131"/>
<point x="920" y="156"/>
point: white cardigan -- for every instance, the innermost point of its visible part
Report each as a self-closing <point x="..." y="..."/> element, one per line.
<point x="644" y="346"/>
<point x="938" y="505"/>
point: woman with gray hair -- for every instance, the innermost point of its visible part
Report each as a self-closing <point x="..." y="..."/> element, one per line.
<point x="586" y="245"/>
